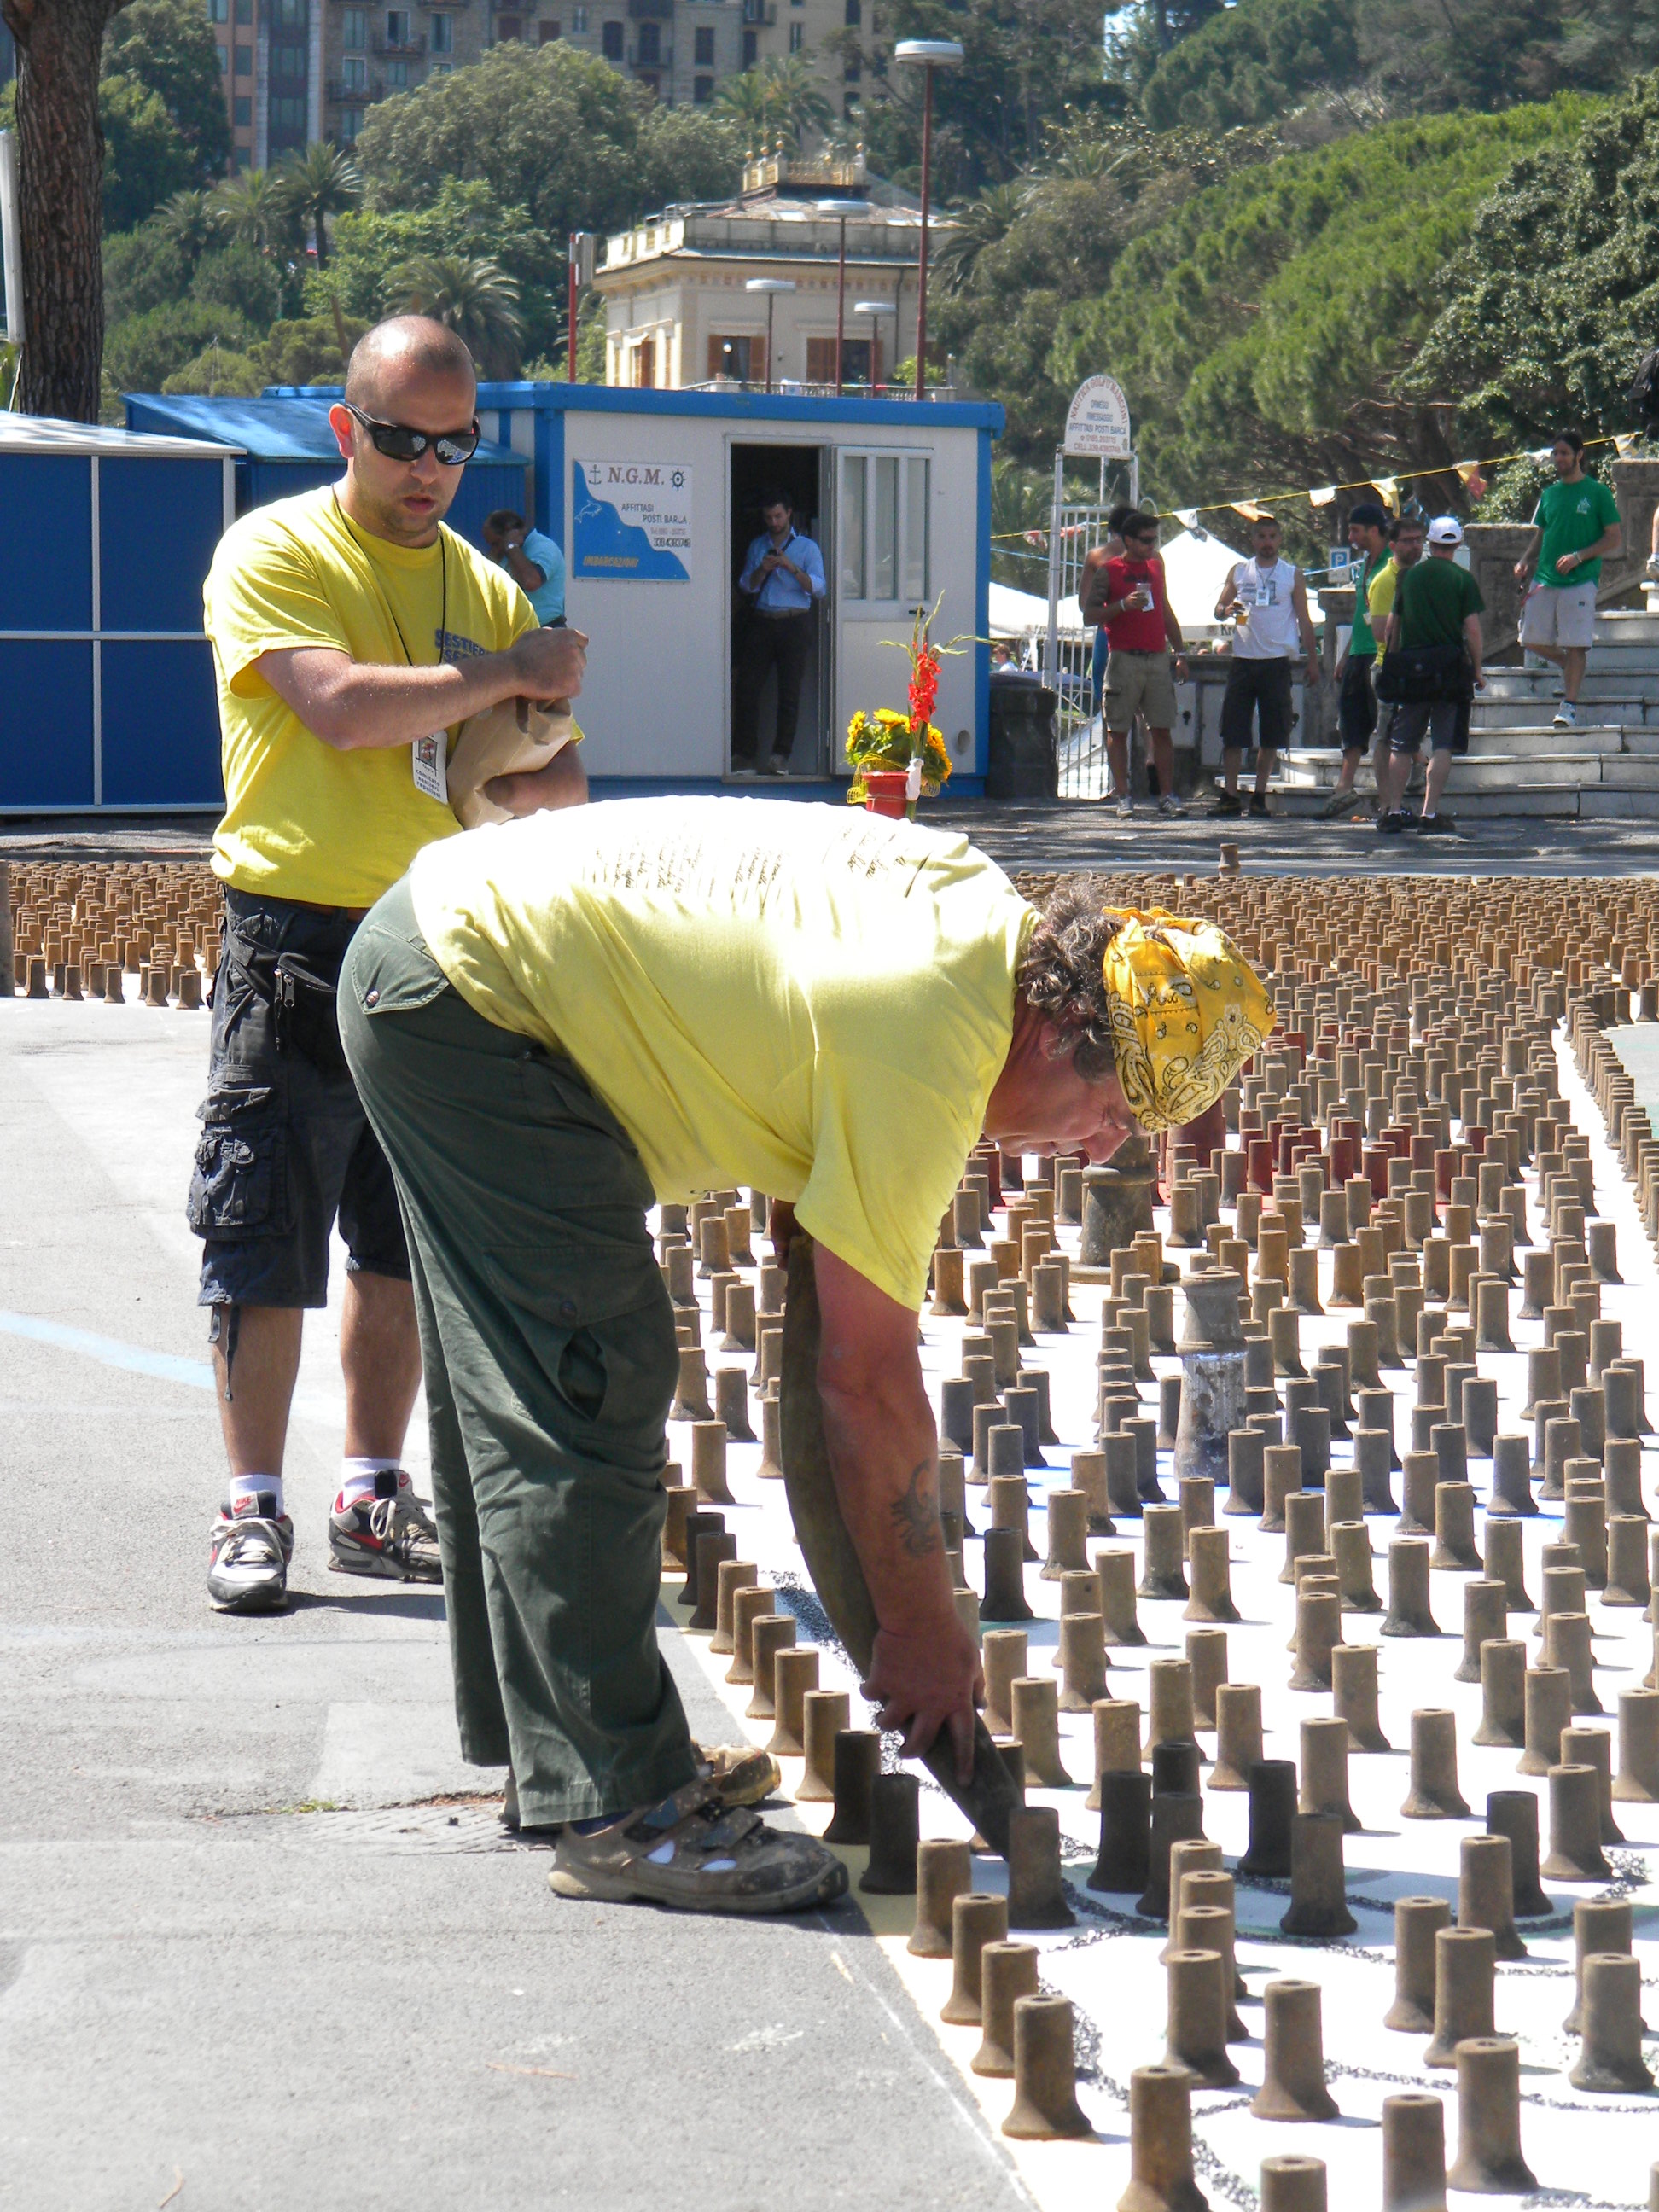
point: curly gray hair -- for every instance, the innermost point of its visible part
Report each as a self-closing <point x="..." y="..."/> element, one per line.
<point x="1060" y="974"/>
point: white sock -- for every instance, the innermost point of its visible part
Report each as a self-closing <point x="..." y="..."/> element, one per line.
<point x="357" y="1479"/>
<point x="256" y="1493"/>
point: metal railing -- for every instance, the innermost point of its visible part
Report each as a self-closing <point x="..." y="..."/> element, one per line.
<point x="1067" y="655"/>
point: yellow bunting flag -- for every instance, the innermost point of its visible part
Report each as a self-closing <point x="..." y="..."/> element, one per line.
<point x="1250" y="511"/>
<point x="1321" y="495"/>
<point x="1388" y="490"/>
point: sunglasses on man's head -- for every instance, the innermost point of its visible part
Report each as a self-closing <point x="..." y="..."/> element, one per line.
<point x="454" y="448"/>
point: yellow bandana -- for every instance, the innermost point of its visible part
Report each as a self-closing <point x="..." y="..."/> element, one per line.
<point x="1187" y="1011"/>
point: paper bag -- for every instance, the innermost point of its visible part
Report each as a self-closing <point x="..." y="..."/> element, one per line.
<point x="508" y="739"/>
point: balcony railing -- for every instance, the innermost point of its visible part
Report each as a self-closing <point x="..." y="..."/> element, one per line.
<point x="340" y="94"/>
<point x="414" y="46"/>
<point x="662" y="59"/>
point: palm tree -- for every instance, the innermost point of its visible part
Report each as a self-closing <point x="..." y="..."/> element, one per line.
<point x="776" y="104"/>
<point x="253" y="208"/>
<point x="798" y="105"/>
<point x="318" y="183"/>
<point x="476" y="299"/>
<point x="743" y="99"/>
<point x="984" y="222"/>
<point x="189" y="220"/>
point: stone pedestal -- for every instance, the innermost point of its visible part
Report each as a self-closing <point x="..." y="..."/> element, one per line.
<point x="1117" y="1204"/>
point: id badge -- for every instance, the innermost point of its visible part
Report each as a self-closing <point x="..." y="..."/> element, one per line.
<point x="431" y="761"/>
<point x="1264" y="595"/>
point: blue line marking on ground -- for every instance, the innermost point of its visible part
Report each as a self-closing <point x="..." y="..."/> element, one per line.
<point x="160" y="1366"/>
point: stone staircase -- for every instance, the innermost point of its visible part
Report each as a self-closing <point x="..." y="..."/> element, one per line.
<point x="1605" y="770"/>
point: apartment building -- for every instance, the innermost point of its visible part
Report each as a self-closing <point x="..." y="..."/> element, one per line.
<point x="682" y="51"/>
<point x="678" y="311"/>
<point x="296" y="71"/>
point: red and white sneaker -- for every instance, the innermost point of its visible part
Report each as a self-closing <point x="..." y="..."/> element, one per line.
<point x="391" y="1534"/>
<point x="252" y="1546"/>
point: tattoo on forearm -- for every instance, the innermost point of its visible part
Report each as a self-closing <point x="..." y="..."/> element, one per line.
<point x="915" y="1515"/>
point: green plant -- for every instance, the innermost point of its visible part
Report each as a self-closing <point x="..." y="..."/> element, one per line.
<point x="476" y="299"/>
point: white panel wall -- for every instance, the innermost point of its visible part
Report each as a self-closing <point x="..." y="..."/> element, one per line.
<point x="657" y="674"/>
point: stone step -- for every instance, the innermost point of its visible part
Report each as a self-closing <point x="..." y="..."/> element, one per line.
<point x="1516" y="722"/>
<point x="1627" y="624"/>
<point x="1541" y="689"/>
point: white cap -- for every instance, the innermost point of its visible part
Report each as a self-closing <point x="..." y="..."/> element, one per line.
<point x="1445" y="530"/>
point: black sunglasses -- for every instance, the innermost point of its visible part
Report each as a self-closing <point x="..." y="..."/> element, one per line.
<point x="454" y="448"/>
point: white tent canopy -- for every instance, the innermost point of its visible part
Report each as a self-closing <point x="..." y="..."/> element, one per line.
<point x="1195" y="566"/>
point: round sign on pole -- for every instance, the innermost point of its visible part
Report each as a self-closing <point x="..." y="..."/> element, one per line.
<point x="1098" y="420"/>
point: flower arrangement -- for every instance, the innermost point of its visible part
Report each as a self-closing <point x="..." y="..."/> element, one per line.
<point x="893" y="742"/>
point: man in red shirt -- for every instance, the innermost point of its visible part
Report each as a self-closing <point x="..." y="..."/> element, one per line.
<point x="1141" y="632"/>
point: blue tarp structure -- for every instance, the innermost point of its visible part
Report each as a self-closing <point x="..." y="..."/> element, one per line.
<point x="287" y="446"/>
<point x="106" y="693"/>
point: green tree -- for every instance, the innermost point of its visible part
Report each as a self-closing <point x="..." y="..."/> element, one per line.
<point x="774" y="105"/>
<point x="464" y="220"/>
<point x="256" y="208"/>
<point x="319" y="184"/>
<point x="1555" y="297"/>
<point x="143" y="269"/>
<point x="549" y="129"/>
<point x="1026" y="260"/>
<point x="146" y="157"/>
<point x="168" y="45"/>
<point x="1251" y="63"/>
<point x="1260" y="330"/>
<point x="144" y="351"/>
<point x="1025" y="64"/>
<point x="259" y="286"/>
<point x="478" y="300"/>
<point x="219" y="372"/>
<point x="190" y="221"/>
<point x="684" y="154"/>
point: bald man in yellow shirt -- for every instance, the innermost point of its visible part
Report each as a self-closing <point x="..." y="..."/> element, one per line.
<point x="352" y="633"/>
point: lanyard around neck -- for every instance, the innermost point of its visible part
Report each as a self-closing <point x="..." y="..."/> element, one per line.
<point x="385" y="597"/>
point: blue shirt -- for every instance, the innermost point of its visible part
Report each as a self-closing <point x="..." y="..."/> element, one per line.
<point x="781" y="593"/>
<point x="542" y="553"/>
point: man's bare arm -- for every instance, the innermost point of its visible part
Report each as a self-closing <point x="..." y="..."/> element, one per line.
<point x="879" y="1427"/>
<point x="358" y="706"/>
<point x="562" y="782"/>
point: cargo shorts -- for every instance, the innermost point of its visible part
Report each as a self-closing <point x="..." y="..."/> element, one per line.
<point x="285" y="1148"/>
<point x="1139" y="684"/>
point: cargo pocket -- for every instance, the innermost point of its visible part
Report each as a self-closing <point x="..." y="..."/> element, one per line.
<point x="596" y="1321"/>
<point x="239" y="1190"/>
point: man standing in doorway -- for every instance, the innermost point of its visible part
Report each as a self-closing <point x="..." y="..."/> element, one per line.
<point x="530" y="558"/>
<point x="1575" y="524"/>
<point x="352" y="634"/>
<point x="1356" y="699"/>
<point x="1141" y="632"/>
<point x="1434" y="637"/>
<point x="1267" y="599"/>
<point x="783" y="576"/>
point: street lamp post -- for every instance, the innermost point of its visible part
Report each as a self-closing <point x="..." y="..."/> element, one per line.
<point x="841" y="209"/>
<point x="875" y="309"/>
<point x="771" y="286"/>
<point x="931" y="54"/>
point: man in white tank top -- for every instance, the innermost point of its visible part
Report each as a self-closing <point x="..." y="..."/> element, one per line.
<point x="1267" y="600"/>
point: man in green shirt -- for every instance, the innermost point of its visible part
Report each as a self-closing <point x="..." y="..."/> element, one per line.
<point x="1355" y="701"/>
<point x="1436" y="615"/>
<point x="1575" y="523"/>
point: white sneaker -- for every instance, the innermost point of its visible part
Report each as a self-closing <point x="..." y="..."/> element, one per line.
<point x="1126" y="806"/>
<point x="1565" y="716"/>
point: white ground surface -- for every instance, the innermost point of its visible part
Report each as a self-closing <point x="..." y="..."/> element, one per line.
<point x="1588" y="2150"/>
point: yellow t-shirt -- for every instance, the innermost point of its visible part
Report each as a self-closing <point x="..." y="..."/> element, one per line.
<point x="302" y="820"/>
<point x="804" y="999"/>
<point x="1379" y="600"/>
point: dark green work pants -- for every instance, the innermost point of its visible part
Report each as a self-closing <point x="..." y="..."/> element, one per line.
<point x="548" y="1343"/>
